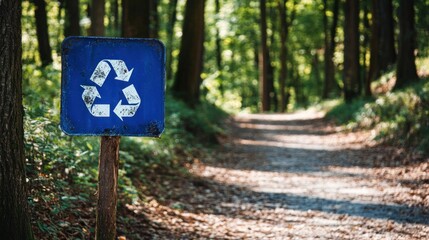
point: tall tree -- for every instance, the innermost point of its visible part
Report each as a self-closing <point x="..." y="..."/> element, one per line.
<point x="71" y="25"/>
<point x="114" y="16"/>
<point x="330" y="33"/>
<point x="271" y="68"/>
<point x="170" y="34"/>
<point x="188" y="79"/>
<point x="281" y="4"/>
<point x="351" y="50"/>
<point x="97" y="12"/>
<point x="136" y="18"/>
<point x="218" y="46"/>
<point x="263" y="61"/>
<point x="14" y="219"/>
<point x="406" y="70"/>
<point x="45" y="50"/>
<point x="382" y="44"/>
<point x="154" y="18"/>
<point x="366" y="30"/>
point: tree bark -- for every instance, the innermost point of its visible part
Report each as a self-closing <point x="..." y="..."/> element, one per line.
<point x="406" y="71"/>
<point x="136" y="18"/>
<point x="366" y="30"/>
<point x="97" y="17"/>
<point x="40" y="14"/>
<point x="188" y="79"/>
<point x="218" y="47"/>
<point x="382" y="44"/>
<point x="71" y="26"/>
<point x="14" y="217"/>
<point x="351" y="50"/>
<point x="154" y="18"/>
<point x="263" y="63"/>
<point x="107" y="188"/>
<point x="170" y="35"/>
<point x="114" y="19"/>
<point x="283" y="52"/>
<point x="330" y="48"/>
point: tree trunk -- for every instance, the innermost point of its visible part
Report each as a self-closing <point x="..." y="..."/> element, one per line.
<point x="136" y="18"/>
<point x="330" y="48"/>
<point x="218" y="48"/>
<point x="382" y="40"/>
<point x="366" y="30"/>
<point x="406" y="71"/>
<point x="114" y="18"/>
<point x="387" y="40"/>
<point x="14" y="219"/>
<point x="170" y="35"/>
<point x="71" y="25"/>
<point x="271" y="69"/>
<point x="263" y="63"/>
<point x="351" y="50"/>
<point x="154" y="18"/>
<point x="188" y="79"/>
<point x="283" y="53"/>
<point x="97" y="18"/>
<point x="45" y="50"/>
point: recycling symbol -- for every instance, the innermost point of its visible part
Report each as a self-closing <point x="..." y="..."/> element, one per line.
<point x="99" y="76"/>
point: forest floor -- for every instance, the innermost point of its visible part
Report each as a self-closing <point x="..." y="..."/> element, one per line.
<point x="290" y="176"/>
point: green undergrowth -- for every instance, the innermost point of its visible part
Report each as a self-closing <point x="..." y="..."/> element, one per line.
<point x="62" y="170"/>
<point x="399" y="117"/>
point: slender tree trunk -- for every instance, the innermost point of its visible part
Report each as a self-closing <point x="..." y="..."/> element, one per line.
<point x="387" y="40"/>
<point x="263" y="63"/>
<point x="136" y="18"/>
<point x="114" y="19"/>
<point x="188" y="79"/>
<point x="97" y="17"/>
<point x="170" y="35"/>
<point x="330" y="34"/>
<point x="283" y="53"/>
<point x="14" y="219"/>
<point x="71" y="26"/>
<point x="154" y="18"/>
<point x="366" y="26"/>
<point x="316" y="73"/>
<point x="45" y="50"/>
<point x="382" y="38"/>
<point x="351" y="50"/>
<point x="271" y="69"/>
<point x="406" y="71"/>
<point x="218" y="47"/>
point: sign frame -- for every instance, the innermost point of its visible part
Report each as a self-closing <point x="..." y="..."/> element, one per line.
<point x="138" y="62"/>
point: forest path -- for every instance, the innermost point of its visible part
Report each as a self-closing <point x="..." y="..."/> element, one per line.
<point x="294" y="176"/>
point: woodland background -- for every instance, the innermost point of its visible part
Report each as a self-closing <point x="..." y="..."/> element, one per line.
<point x="364" y="62"/>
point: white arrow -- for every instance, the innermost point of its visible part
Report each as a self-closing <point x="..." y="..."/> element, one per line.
<point x="131" y="94"/>
<point x="100" y="73"/>
<point x="125" y="110"/>
<point x="98" y="110"/>
<point x="89" y="95"/>
<point x="121" y="70"/>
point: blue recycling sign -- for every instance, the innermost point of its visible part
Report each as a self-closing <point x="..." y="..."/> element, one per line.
<point x="112" y="86"/>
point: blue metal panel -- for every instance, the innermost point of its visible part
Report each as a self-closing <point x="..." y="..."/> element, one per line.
<point x="112" y="86"/>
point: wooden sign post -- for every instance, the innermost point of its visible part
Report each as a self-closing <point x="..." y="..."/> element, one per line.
<point x="107" y="188"/>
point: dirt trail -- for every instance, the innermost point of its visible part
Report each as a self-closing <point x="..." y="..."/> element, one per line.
<point x="293" y="176"/>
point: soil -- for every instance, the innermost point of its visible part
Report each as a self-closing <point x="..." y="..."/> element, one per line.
<point x="290" y="176"/>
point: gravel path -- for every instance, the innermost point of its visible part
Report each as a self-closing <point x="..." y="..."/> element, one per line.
<point x="293" y="176"/>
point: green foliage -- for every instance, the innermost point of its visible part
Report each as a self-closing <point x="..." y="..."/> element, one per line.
<point x="400" y="117"/>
